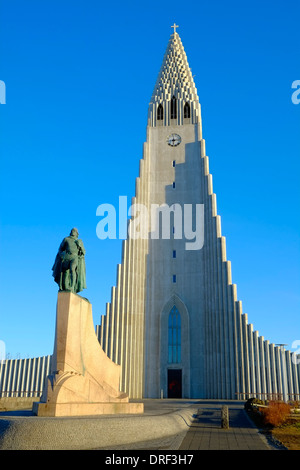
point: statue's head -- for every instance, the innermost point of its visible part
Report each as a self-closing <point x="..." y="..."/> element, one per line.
<point x="74" y="232"/>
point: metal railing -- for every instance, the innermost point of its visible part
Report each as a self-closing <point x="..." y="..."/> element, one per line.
<point x="267" y="396"/>
<point x="21" y="394"/>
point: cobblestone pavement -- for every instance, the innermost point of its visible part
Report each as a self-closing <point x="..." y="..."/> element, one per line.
<point x="205" y="432"/>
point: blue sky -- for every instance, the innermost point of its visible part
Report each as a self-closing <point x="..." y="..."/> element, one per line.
<point x="79" y="77"/>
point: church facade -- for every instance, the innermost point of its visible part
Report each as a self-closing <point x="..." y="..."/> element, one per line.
<point x="174" y="322"/>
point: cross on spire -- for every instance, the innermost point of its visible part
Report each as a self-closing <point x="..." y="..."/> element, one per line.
<point x="175" y="26"/>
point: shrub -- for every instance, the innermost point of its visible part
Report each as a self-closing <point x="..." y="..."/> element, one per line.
<point x="276" y="413"/>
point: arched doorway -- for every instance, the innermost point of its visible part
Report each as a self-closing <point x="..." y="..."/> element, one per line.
<point x="174" y="350"/>
<point x="174" y="354"/>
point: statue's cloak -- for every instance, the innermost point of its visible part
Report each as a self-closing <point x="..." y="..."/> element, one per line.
<point x="81" y="275"/>
<point x="57" y="269"/>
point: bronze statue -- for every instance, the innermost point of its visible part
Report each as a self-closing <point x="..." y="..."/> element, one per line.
<point x="69" y="266"/>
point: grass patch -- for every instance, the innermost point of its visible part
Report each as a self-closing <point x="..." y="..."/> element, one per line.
<point x="288" y="434"/>
<point x="278" y="422"/>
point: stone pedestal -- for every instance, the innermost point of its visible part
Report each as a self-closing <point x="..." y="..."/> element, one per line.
<point x="83" y="380"/>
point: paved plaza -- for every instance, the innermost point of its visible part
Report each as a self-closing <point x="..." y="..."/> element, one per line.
<point x="165" y="425"/>
<point x="205" y="432"/>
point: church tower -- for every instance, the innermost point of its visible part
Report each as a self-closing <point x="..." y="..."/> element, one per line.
<point x="174" y="322"/>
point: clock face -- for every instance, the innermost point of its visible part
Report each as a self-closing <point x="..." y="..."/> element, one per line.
<point x="173" y="140"/>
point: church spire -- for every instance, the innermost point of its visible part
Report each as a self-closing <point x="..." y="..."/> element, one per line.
<point x="174" y="96"/>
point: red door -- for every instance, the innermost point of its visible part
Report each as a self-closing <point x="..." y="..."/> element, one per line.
<point x="174" y="383"/>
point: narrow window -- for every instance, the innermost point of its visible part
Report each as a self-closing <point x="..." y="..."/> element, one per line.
<point x="173" y="108"/>
<point x="174" y="163"/>
<point x="174" y="278"/>
<point x="174" y="253"/>
<point x="174" y="337"/>
<point x="187" y="111"/>
<point x="160" y="112"/>
<point x="173" y="184"/>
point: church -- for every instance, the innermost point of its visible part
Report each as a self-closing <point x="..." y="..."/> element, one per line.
<point x="174" y="322"/>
